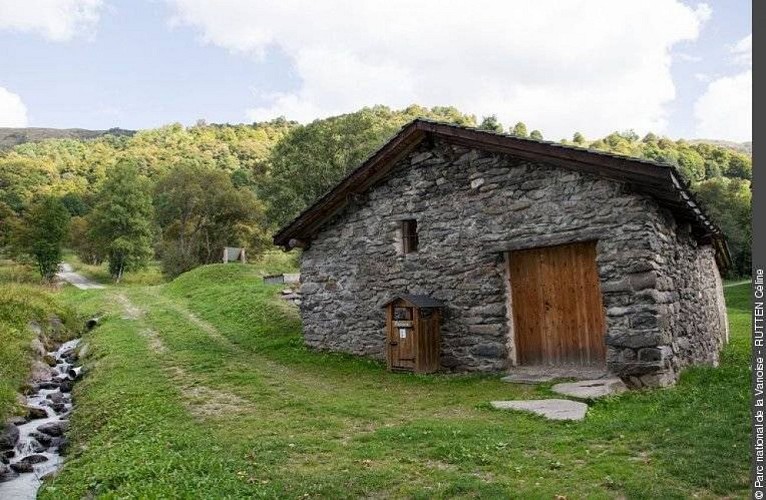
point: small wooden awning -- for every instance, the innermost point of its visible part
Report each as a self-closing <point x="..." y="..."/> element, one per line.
<point x="420" y="301"/>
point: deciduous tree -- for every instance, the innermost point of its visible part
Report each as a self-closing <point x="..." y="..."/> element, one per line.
<point x="519" y="130"/>
<point x="41" y="234"/>
<point x="121" y="221"/>
<point x="200" y="212"/>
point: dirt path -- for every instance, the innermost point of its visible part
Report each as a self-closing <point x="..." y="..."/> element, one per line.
<point x="200" y="400"/>
<point x="68" y="274"/>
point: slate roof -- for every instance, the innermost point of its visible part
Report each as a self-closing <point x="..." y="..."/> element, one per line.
<point x="659" y="180"/>
<point x="422" y="301"/>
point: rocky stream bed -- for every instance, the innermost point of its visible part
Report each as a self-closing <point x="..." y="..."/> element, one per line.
<point x="32" y="445"/>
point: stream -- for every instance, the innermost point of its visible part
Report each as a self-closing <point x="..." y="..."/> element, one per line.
<point x="41" y="433"/>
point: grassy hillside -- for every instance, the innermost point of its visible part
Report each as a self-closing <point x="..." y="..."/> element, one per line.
<point x="202" y="388"/>
<point x="22" y="302"/>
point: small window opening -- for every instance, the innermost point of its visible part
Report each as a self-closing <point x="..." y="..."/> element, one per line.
<point x="410" y="236"/>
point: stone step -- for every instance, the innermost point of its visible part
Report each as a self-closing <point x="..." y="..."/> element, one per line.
<point x="552" y="409"/>
<point x="591" y="389"/>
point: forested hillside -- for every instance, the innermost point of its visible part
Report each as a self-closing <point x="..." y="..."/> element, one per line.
<point x="198" y="188"/>
<point x="10" y="137"/>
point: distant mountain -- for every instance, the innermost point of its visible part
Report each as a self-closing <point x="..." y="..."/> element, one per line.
<point x="10" y="137"/>
<point x="741" y="147"/>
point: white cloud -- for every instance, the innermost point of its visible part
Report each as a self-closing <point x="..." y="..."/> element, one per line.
<point x="13" y="113"/>
<point x="682" y="56"/>
<point x="743" y="51"/>
<point x="725" y="109"/>
<point x="588" y="65"/>
<point x="56" y="20"/>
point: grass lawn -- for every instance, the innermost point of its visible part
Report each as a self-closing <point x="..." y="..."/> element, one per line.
<point x="201" y="388"/>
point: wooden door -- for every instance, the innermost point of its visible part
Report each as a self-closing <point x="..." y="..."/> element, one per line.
<point x="401" y="337"/>
<point x="556" y="302"/>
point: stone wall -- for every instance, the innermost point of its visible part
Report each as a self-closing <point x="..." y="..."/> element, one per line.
<point x="471" y="208"/>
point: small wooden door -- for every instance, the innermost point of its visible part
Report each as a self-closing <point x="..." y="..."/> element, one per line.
<point x="401" y="337"/>
<point x="556" y="302"/>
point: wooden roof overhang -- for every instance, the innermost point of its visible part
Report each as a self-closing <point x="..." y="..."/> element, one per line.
<point x="419" y="301"/>
<point x="658" y="180"/>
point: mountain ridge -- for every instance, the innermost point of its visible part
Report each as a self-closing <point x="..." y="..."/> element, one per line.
<point x="13" y="136"/>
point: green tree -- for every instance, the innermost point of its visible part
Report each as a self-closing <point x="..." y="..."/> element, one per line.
<point x="82" y="242"/>
<point x="740" y="167"/>
<point x="728" y="202"/>
<point x="8" y="222"/>
<point x="519" y="130"/>
<point x="310" y="159"/>
<point x="121" y="221"/>
<point x="491" y="123"/>
<point x="578" y="138"/>
<point x="75" y="204"/>
<point x="649" y="137"/>
<point x="200" y="212"/>
<point x="21" y="179"/>
<point x="41" y="234"/>
<point x="691" y="164"/>
<point x="536" y="135"/>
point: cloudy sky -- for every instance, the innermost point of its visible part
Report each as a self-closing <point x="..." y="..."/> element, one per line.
<point x="680" y="68"/>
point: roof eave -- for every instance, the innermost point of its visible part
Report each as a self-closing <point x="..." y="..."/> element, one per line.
<point x="659" y="180"/>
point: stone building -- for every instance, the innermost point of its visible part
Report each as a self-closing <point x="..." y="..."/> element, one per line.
<point x="542" y="254"/>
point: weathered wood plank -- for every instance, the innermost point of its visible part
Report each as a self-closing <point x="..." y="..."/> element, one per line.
<point x="557" y="310"/>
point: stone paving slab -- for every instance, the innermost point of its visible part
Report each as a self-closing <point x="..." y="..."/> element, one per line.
<point x="541" y="374"/>
<point x="552" y="409"/>
<point x="591" y="389"/>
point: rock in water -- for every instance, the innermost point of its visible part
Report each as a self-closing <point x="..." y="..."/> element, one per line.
<point x="49" y="360"/>
<point x="54" y="429"/>
<point x="7" y="474"/>
<point x="34" y="459"/>
<point x="41" y="438"/>
<point x="36" y="446"/>
<point x="55" y="397"/>
<point x="34" y="413"/>
<point x="17" y="420"/>
<point x="9" y="436"/>
<point x="22" y="467"/>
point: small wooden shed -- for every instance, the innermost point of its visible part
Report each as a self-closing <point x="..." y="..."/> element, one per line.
<point x="412" y="333"/>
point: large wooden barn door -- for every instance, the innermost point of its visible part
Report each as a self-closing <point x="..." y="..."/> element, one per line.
<point x="556" y="302"/>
